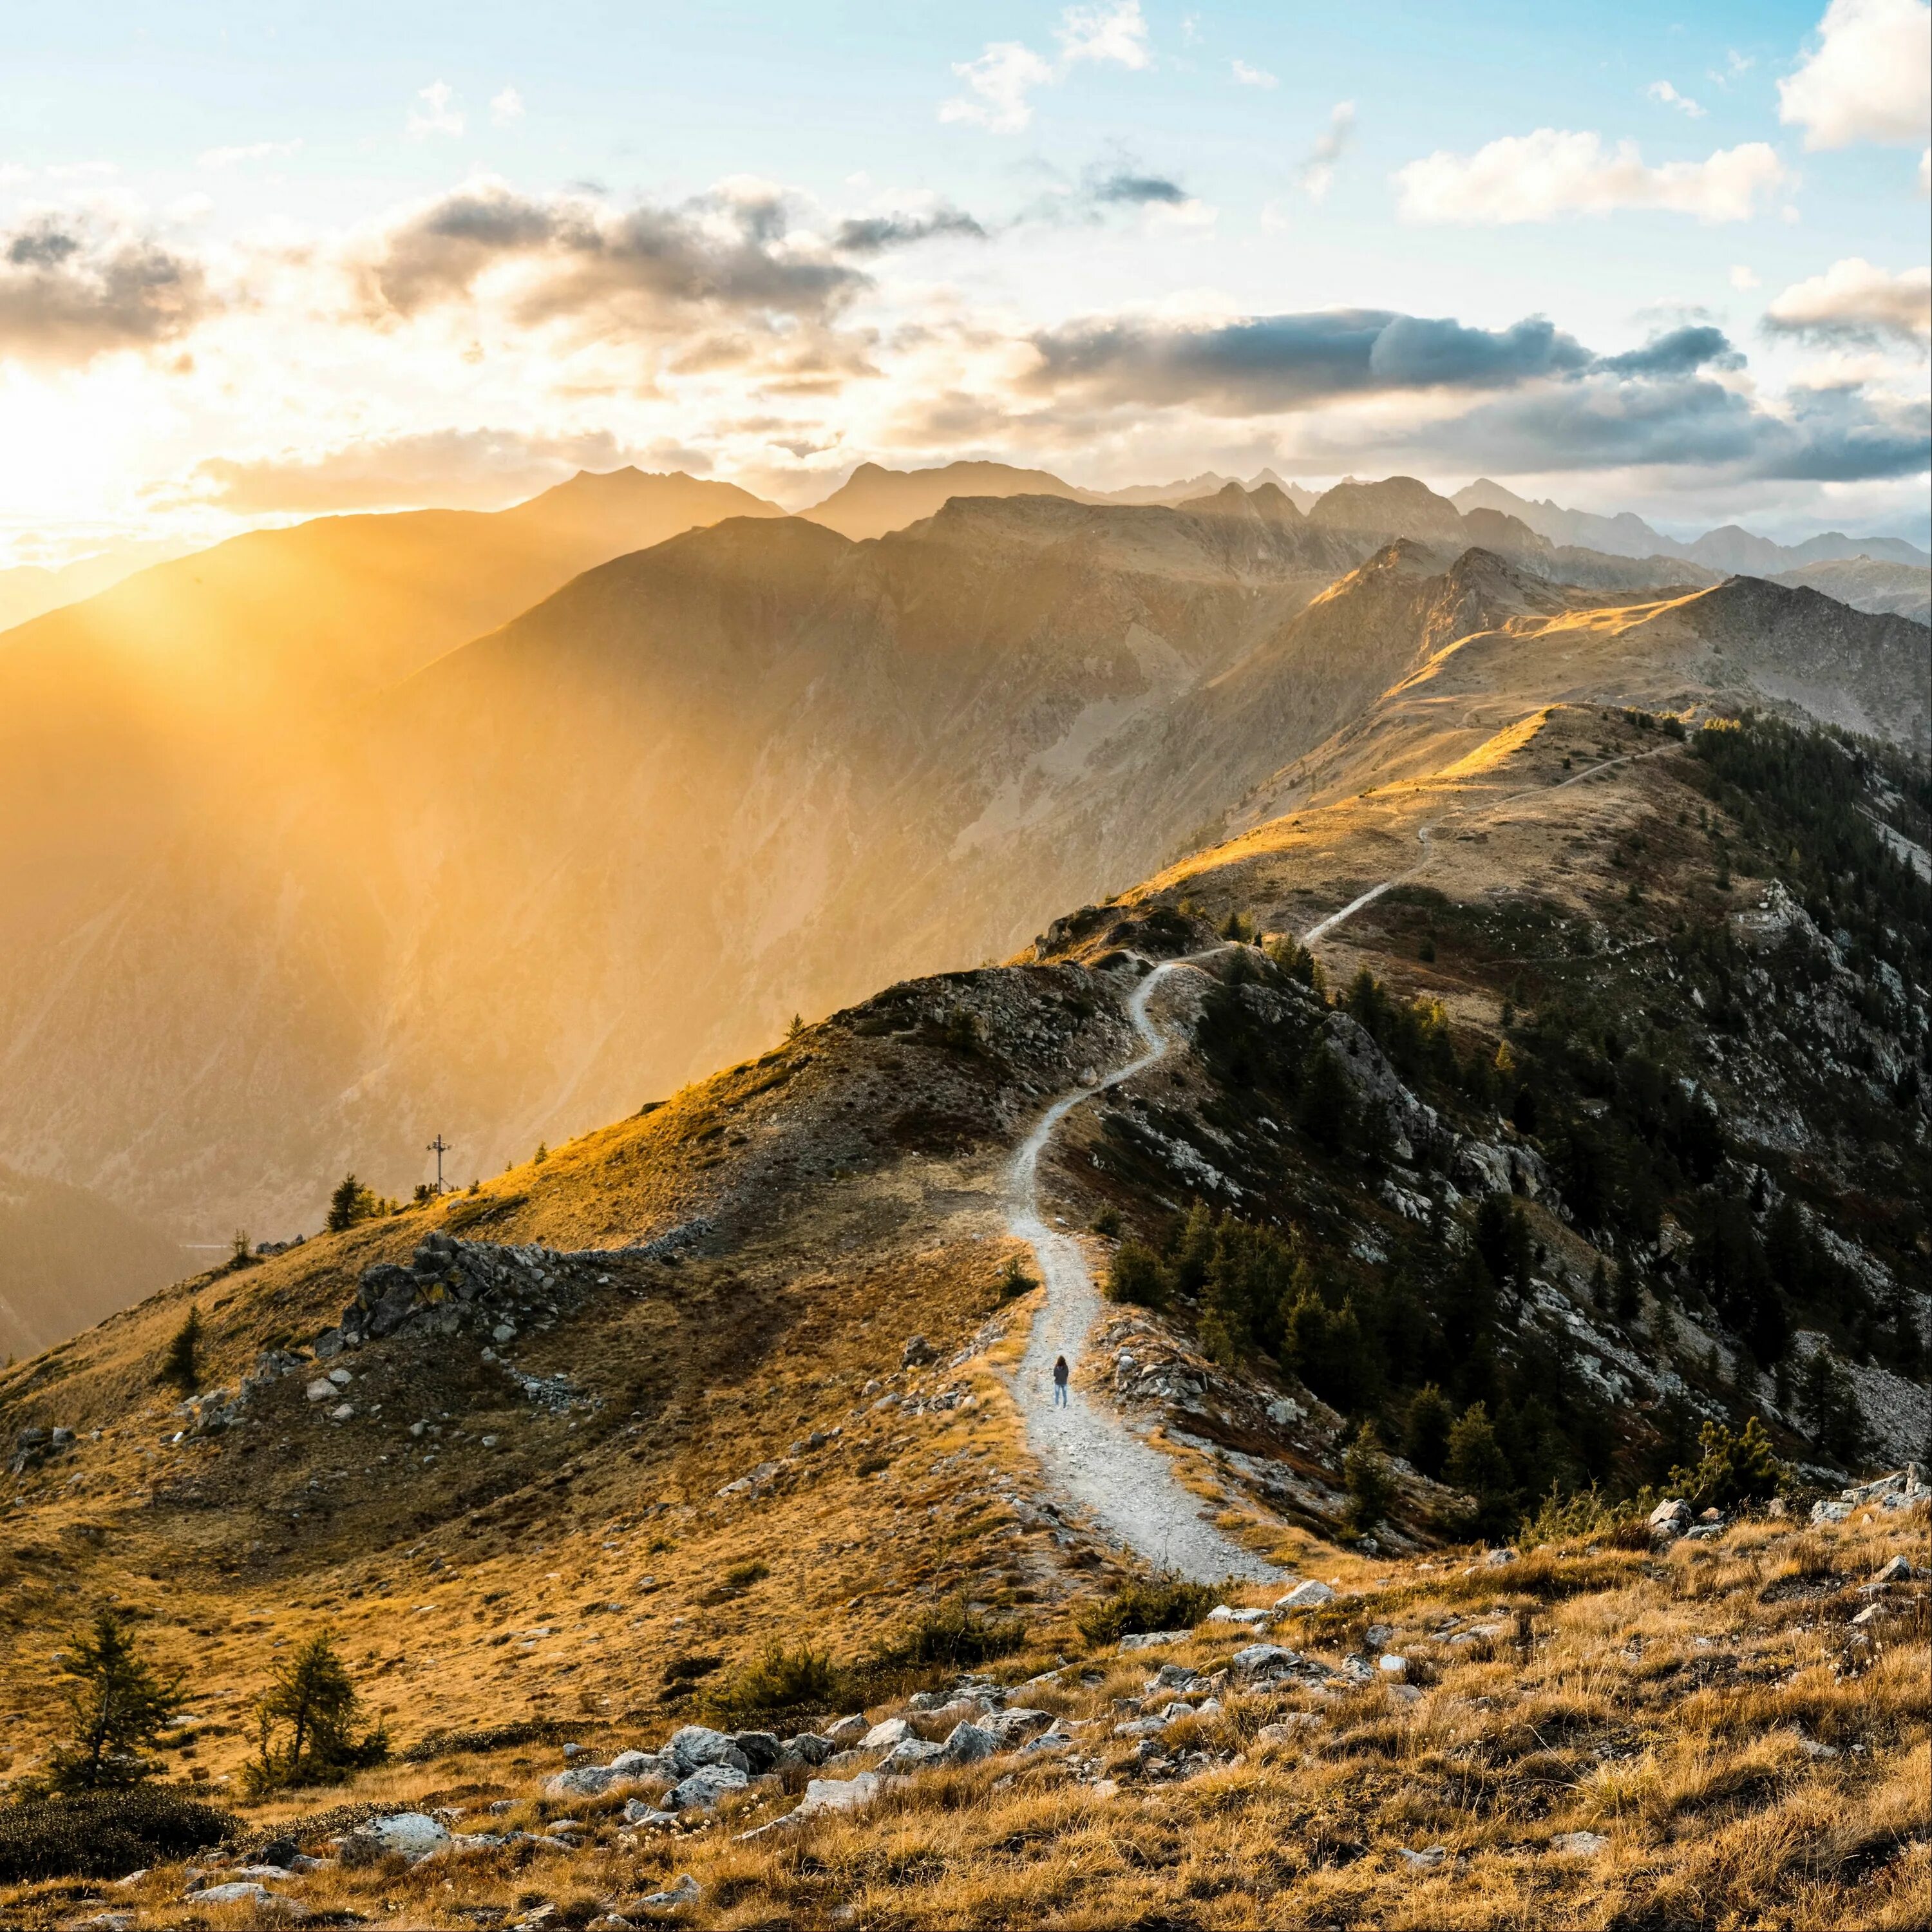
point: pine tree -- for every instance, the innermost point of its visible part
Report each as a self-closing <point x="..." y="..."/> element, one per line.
<point x="181" y="1364"/>
<point x="118" y="1704"/>
<point x="1478" y="1467"/>
<point x="313" y="1701"/>
<point x="350" y="1203"/>
<point x="1425" y="1438"/>
<point x="1365" y="1474"/>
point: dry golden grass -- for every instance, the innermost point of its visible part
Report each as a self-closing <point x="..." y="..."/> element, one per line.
<point x="1744" y="1766"/>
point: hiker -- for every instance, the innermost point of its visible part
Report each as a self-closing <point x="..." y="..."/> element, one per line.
<point x="1059" y="1373"/>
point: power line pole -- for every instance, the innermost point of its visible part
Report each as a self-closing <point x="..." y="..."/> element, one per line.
<point x="439" y="1147"/>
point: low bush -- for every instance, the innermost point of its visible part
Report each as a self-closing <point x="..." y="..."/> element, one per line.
<point x="105" y="1834"/>
<point x="1154" y="1604"/>
<point x="781" y="1679"/>
<point x="954" y="1633"/>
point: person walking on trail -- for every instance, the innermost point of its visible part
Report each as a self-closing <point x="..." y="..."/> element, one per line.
<point x="1060" y="1374"/>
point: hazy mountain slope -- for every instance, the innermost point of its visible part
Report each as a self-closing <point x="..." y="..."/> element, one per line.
<point x="26" y="590"/>
<point x="1866" y="583"/>
<point x="67" y="1259"/>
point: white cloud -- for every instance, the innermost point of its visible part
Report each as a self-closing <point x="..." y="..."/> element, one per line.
<point x="1742" y="278"/>
<point x="1735" y="65"/>
<point x="1552" y="172"/>
<point x="1252" y="77"/>
<point x="1007" y="72"/>
<point x="437" y="115"/>
<point x="1105" y="33"/>
<point x="1665" y="95"/>
<point x="506" y="107"/>
<point x="1925" y="172"/>
<point x="1317" y="171"/>
<point x="255" y="151"/>
<point x="1852" y="300"/>
<point x="1869" y="78"/>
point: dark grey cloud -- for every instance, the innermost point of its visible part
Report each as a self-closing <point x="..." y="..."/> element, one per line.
<point x="1269" y="364"/>
<point x="873" y="234"/>
<point x="68" y="291"/>
<point x="1678" y="351"/>
<point x="1128" y="187"/>
<point x="715" y="255"/>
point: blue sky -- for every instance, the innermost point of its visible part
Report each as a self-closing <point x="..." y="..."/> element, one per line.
<point x="257" y="261"/>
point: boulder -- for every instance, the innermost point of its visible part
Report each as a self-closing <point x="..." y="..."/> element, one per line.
<point x="1290" y="1729"/>
<point x="848" y="1731"/>
<point x="237" y="1892"/>
<point x="686" y="1891"/>
<point x="883" y="1736"/>
<point x="1580" y="1844"/>
<point x="1497" y="1558"/>
<point x="1898" y="1570"/>
<point x="1308" y="1596"/>
<point x="695" y="1746"/>
<point x="1008" y="1726"/>
<point x="636" y="1764"/>
<point x="703" y="1788"/>
<point x="1260" y="1660"/>
<point x="637" y="1812"/>
<point x="409" y="1834"/>
<point x="1249" y="1619"/>
<point x="917" y="1352"/>
<point x="807" y="1747"/>
<point x="761" y="1749"/>
<point x="828" y="1794"/>
<point x="967" y="1743"/>
<point x="1394" y="1668"/>
<point x="590" y="1781"/>
<point x="910" y="1754"/>
<point x="1669" y="1520"/>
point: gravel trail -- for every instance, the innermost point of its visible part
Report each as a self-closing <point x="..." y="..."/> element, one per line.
<point x="1093" y="1459"/>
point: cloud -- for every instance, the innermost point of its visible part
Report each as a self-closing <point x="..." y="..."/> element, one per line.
<point x="452" y="468"/>
<point x="1662" y="92"/>
<point x="725" y="255"/>
<point x="1852" y="302"/>
<point x="1126" y="187"/>
<point x="1105" y="33"/>
<point x="1317" y="171"/>
<point x="70" y="292"/>
<point x="1539" y="176"/>
<point x="1677" y="352"/>
<point x="437" y="115"/>
<point x="873" y="234"/>
<point x="1869" y="78"/>
<point x="1742" y="278"/>
<point x="1269" y="364"/>
<point x="1000" y="81"/>
<point x="256" y="150"/>
<point x="1251" y="77"/>
<point x="506" y="107"/>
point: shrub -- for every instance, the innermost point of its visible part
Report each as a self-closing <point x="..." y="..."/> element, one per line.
<point x="350" y="1203"/>
<point x="1365" y="1474"/>
<point x="1588" y="1513"/>
<point x="1478" y="1467"/>
<point x="1107" y="1223"/>
<point x="1734" y="1469"/>
<point x="688" y="1669"/>
<point x="103" y="1834"/>
<point x="1136" y="1275"/>
<point x="782" y="1679"/>
<point x="953" y="1633"/>
<point x="1013" y="1281"/>
<point x="1165" y="1602"/>
<point x="1425" y="1436"/>
<point x="743" y="1576"/>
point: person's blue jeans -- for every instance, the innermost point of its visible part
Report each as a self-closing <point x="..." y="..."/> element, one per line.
<point x="1060" y="1395"/>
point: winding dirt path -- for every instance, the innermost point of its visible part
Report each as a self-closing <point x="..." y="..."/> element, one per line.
<point x="1093" y="1459"/>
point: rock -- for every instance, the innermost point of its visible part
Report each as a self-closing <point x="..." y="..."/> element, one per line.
<point x="637" y="1812"/>
<point x="808" y="1748"/>
<point x="1290" y="1729"/>
<point x="1009" y="1725"/>
<point x="409" y="1834"/>
<point x="695" y="1746"/>
<point x="1394" y="1668"/>
<point x="342" y="1411"/>
<point x="910" y="1754"/>
<point x="1250" y="1619"/>
<point x="1425" y="1860"/>
<point x="1704" y="1532"/>
<point x="703" y="1788"/>
<point x="588" y="1781"/>
<point x="848" y="1731"/>
<point x="884" y="1735"/>
<point x="1898" y="1570"/>
<point x="634" y="1763"/>
<point x="1284" y="1410"/>
<point x="967" y="1743"/>
<point x="1155" y="1639"/>
<point x="1580" y="1844"/>
<point x="1261" y="1659"/>
<point x="1306" y="1596"/>
<point x="686" y="1891"/>
<point x="1173" y="1677"/>
<point x="239" y="1891"/>
<point x="321" y="1389"/>
<point x="917" y="1352"/>
<point x="1497" y="1559"/>
<point x="1872" y="1613"/>
<point x="760" y="1751"/>
<point x="827" y="1794"/>
<point x="341" y="1378"/>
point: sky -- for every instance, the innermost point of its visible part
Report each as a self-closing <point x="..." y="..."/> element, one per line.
<point x="266" y="260"/>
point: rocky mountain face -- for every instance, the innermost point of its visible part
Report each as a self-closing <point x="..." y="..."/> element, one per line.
<point x="735" y="777"/>
<point x="1903" y="589"/>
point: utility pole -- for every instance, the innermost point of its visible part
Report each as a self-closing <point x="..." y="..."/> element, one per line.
<point x="439" y="1147"/>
